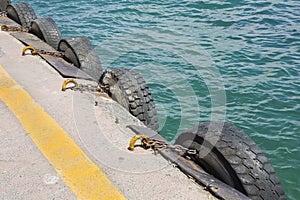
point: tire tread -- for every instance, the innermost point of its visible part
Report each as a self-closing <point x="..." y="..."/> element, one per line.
<point x="136" y="92"/>
<point x="49" y="30"/>
<point x="85" y="53"/>
<point x="24" y="12"/>
<point x="251" y="166"/>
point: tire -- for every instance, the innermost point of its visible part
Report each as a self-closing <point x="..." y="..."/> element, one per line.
<point x="47" y="30"/>
<point x="4" y="4"/>
<point x="235" y="159"/>
<point x="129" y="89"/>
<point x="80" y="52"/>
<point x="21" y="13"/>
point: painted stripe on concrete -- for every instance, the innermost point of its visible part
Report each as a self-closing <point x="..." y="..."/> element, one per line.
<point x="83" y="176"/>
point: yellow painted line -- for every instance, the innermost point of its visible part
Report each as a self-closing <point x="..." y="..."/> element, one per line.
<point x="84" y="177"/>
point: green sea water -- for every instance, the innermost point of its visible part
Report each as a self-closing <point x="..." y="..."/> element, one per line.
<point x="205" y="61"/>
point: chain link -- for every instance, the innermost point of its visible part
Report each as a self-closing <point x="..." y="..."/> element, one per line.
<point x="87" y="88"/>
<point x="157" y="146"/>
<point x="35" y="51"/>
<point x="3" y="14"/>
<point x="8" y="28"/>
<point x="57" y="54"/>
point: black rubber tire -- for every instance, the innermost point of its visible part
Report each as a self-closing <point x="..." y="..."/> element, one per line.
<point x="80" y="52"/>
<point x="235" y="159"/>
<point x="21" y="13"/>
<point x="4" y="4"/>
<point x="47" y="30"/>
<point x="129" y="89"/>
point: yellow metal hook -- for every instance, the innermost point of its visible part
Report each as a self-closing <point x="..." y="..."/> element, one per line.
<point x="4" y="27"/>
<point x="67" y="82"/>
<point x="134" y="139"/>
<point x="32" y="49"/>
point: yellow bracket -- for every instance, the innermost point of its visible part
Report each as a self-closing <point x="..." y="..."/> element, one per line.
<point x="32" y="49"/>
<point x="67" y="82"/>
<point x="134" y="139"/>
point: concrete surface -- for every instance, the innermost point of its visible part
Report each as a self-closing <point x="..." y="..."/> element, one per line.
<point x="100" y="131"/>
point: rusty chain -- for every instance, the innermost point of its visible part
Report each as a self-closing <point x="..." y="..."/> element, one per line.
<point x="82" y="87"/>
<point x="87" y="88"/>
<point x="8" y="28"/>
<point x="157" y="146"/>
<point x="57" y="54"/>
<point x="3" y="14"/>
<point x="35" y="51"/>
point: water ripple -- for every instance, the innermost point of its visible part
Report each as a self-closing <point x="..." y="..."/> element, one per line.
<point x="254" y="44"/>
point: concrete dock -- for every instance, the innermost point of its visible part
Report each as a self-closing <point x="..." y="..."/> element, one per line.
<point x="72" y="145"/>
